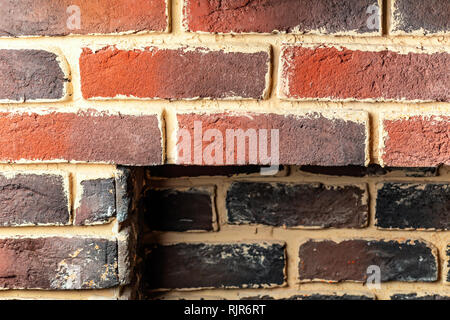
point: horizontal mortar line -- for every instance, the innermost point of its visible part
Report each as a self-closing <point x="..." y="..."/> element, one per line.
<point x="106" y="230"/>
<point x="235" y="37"/>
<point x="294" y="236"/>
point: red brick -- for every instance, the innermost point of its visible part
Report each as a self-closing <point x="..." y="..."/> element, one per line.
<point x="54" y="17"/>
<point x="332" y="73"/>
<point x="180" y="73"/>
<point x="291" y="16"/>
<point x="86" y="136"/>
<point x="58" y="263"/>
<point x="303" y="139"/>
<point x="416" y="141"/>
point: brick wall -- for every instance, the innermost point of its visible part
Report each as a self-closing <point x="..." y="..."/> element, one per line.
<point x="100" y="99"/>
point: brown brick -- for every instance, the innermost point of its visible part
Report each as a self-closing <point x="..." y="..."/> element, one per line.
<point x="349" y="260"/>
<point x="303" y="139"/>
<point x="58" y="17"/>
<point x="86" y="136"/>
<point x="58" y="263"/>
<point x="360" y="75"/>
<point x="200" y="265"/>
<point x="30" y="75"/>
<point x="420" y="17"/>
<point x="97" y="202"/>
<point x="297" y="205"/>
<point x="180" y="209"/>
<point x="207" y="73"/>
<point x="291" y="16"/>
<point x="34" y="199"/>
<point x="416" y="141"/>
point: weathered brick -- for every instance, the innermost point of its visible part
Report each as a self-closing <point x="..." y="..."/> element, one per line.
<point x="346" y="74"/>
<point x="413" y="206"/>
<point x="348" y="260"/>
<point x="34" y="199"/>
<point x="59" y="17"/>
<point x="298" y="139"/>
<point x="97" y="201"/>
<point x="415" y="296"/>
<point x="178" y="171"/>
<point x="180" y="209"/>
<point x="86" y="136"/>
<point x="420" y="17"/>
<point x="58" y="263"/>
<point x="297" y="205"/>
<point x="415" y="141"/>
<point x="207" y="73"/>
<point x="315" y="296"/>
<point x="30" y="75"/>
<point x="372" y="170"/>
<point x="448" y="264"/>
<point x="238" y="265"/>
<point x="291" y="16"/>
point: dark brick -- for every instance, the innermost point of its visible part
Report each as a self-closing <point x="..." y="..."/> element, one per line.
<point x="86" y="136"/>
<point x="215" y="265"/>
<point x="292" y="16"/>
<point x="207" y="73"/>
<point x="297" y="205"/>
<point x="371" y="170"/>
<point x="180" y="209"/>
<point x="32" y="199"/>
<point x="177" y="171"/>
<point x="58" y="263"/>
<point x="348" y="260"/>
<point x="413" y="206"/>
<point x="314" y="296"/>
<point x="97" y="203"/>
<point x="448" y="263"/>
<point x="415" y="296"/>
<point x="54" y="17"/>
<point x="420" y="17"/>
<point x="376" y="75"/>
<point x="31" y="75"/>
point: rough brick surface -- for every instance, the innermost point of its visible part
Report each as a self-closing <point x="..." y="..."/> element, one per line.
<point x="305" y="139"/>
<point x="97" y="203"/>
<point x="415" y="296"/>
<point x="180" y="209"/>
<point x="215" y="265"/>
<point x="297" y="205"/>
<point x="83" y="136"/>
<point x="413" y="206"/>
<point x="420" y="17"/>
<point x="176" y="171"/>
<point x="332" y="73"/>
<point x="348" y="260"/>
<point x="292" y="16"/>
<point x="31" y="199"/>
<point x="58" y="263"/>
<point x="27" y="75"/>
<point x="59" y="17"/>
<point x="371" y="170"/>
<point x="315" y="296"/>
<point x="416" y="141"/>
<point x="206" y="73"/>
